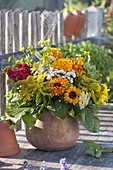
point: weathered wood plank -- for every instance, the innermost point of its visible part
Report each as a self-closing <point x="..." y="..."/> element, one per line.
<point x="2" y="32"/>
<point x="32" y="38"/>
<point x="9" y="30"/>
<point x="60" y="28"/>
<point x="42" y="28"/>
<point x="16" y="30"/>
<point x="5" y="166"/>
<point x="38" y="25"/>
<point x="2" y="93"/>
<point x="23" y="29"/>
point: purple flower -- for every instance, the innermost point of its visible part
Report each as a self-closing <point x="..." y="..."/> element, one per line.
<point x="44" y="166"/>
<point x="29" y="167"/>
<point x="63" y="164"/>
<point x="25" y="163"/>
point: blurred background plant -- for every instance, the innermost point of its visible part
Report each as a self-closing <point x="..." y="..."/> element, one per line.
<point x="72" y="5"/>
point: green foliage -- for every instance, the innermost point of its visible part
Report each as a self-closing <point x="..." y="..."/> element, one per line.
<point x="29" y="120"/>
<point x="99" y="57"/>
<point x="95" y="150"/>
<point x="89" y="120"/>
<point x="58" y="109"/>
<point x="14" y="114"/>
<point x="72" y="5"/>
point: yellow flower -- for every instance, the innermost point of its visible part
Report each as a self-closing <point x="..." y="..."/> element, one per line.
<point x="77" y="62"/>
<point x="54" y="52"/>
<point x="86" y="52"/>
<point x="5" y="69"/>
<point x="57" y="86"/>
<point x="27" y="97"/>
<point x="72" y="95"/>
<point x="103" y="97"/>
<point x="63" y="64"/>
<point x="80" y="72"/>
<point x="78" y="66"/>
<point x="31" y="86"/>
<point x="99" y="93"/>
<point x="30" y="79"/>
<point x="35" y="66"/>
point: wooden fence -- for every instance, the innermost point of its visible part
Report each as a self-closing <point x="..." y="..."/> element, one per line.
<point x="21" y="29"/>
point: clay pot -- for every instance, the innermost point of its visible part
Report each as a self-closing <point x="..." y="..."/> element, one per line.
<point x="8" y="142"/>
<point x="69" y="23"/>
<point x="52" y="134"/>
<point x="79" y="23"/>
<point x="73" y="23"/>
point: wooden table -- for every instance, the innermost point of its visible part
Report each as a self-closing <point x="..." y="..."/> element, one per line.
<point x="75" y="156"/>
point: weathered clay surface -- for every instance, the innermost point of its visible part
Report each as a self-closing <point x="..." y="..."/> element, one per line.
<point x="53" y="134"/>
<point x="8" y="142"/>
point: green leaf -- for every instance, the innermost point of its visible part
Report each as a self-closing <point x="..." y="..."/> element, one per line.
<point x="22" y="49"/>
<point x="93" y="149"/>
<point x="110" y="149"/>
<point x="9" y="58"/>
<point x="38" y="98"/>
<point x="72" y="113"/>
<point x="10" y="94"/>
<point x="58" y="109"/>
<point x="29" y="120"/>
<point x="89" y="120"/>
<point x="15" y="114"/>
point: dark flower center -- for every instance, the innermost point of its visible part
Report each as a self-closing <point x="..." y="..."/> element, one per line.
<point x="57" y="84"/>
<point x="72" y="95"/>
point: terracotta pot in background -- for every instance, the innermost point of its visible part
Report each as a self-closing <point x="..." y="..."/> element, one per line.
<point x="8" y="141"/>
<point x="69" y="23"/>
<point x="73" y="23"/>
<point x="79" y="24"/>
<point x="52" y="134"/>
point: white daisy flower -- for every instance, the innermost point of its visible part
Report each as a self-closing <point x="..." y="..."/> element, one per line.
<point x="84" y="100"/>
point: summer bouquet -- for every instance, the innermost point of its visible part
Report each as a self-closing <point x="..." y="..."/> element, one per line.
<point x="51" y="82"/>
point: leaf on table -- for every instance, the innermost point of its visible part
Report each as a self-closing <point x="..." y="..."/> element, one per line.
<point x="93" y="149"/>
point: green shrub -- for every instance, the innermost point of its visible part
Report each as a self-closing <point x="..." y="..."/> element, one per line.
<point x="99" y="57"/>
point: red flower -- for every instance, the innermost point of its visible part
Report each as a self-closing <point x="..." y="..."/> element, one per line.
<point x="22" y="71"/>
<point x="19" y="65"/>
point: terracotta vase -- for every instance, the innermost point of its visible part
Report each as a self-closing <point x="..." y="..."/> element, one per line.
<point x="70" y="21"/>
<point x="79" y="23"/>
<point x="52" y="134"/>
<point x="8" y="142"/>
<point x="73" y="23"/>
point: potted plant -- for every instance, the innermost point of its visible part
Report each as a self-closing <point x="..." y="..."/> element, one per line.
<point x="52" y="90"/>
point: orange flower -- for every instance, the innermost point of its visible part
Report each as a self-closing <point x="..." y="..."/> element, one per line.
<point x="78" y="66"/>
<point x="63" y="64"/>
<point x="57" y="86"/>
<point x="55" y="53"/>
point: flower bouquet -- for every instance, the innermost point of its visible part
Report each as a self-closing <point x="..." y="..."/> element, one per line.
<point x="52" y="82"/>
